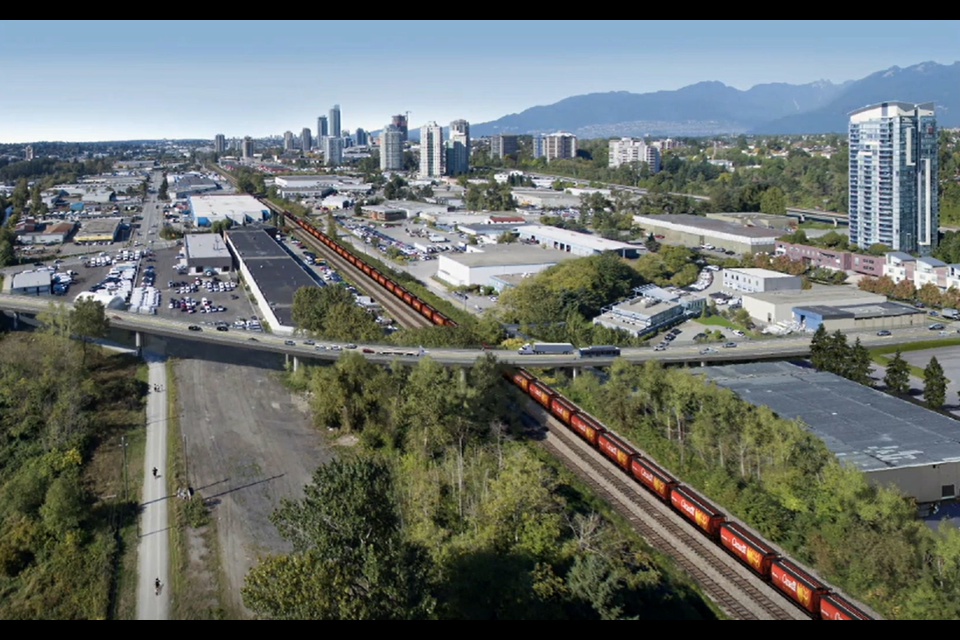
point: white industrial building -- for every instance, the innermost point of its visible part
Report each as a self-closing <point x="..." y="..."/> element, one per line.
<point x="760" y="281"/>
<point x="336" y="202"/>
<point x="32" y="283"/>
<point x="478" y="268"/>
<point x="580" y="244"/>
<point x="695" y="231"/>
<point x="627" y="150"/>
<point x="652" y="309"/>
<point x="206" y="252"/>
<point x="777" y="307"/>
<point x="545" y="198"/>
<point x="241" y="209"/>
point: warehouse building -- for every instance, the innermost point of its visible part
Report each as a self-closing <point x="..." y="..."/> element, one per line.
<point x="760" y="281"/>
<point x="545" y="198"/>
<point x="652" y="309"/>
<point x="579" y="244"/>
<point x="478" y="268"/>
<point x="32" y="283"/>
<point x="696" y="231"/>
<point x="185" y="186"/>
<point x="863" y="317"/>
<point x="777" y="307"/>
<point x="241" y="209"/>
<point x="204" y="252"/>
<point x="271" y="273"/>
<point x="382" y="213"/>
<point x="892" y="441"/>
<point x="100" y="230"/>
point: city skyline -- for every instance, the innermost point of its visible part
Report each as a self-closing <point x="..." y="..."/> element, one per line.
<point x="187" y="79"/>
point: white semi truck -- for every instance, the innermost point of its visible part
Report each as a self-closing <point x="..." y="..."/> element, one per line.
<point x="546" y="348"/>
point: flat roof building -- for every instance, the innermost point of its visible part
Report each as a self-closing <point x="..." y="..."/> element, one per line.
<point x="760" y="281"/>
<point x="545" y="198"/>
<point x="272" y="274"/>
<point x="580" y="244"/>
<point x="891" y="440"/>
<point x="98" y="230"/>
<point x="777" y="307"/>
<point x="241" y="209"/>
<point x="382" y="213"/>
<point x="32" y="283"/>
<point x="206" y="251"/>
<point x="479" y="267"/>
<point x="862" y="317"/>
<point x="695" y="231"/>
<point x="652" y="309"/>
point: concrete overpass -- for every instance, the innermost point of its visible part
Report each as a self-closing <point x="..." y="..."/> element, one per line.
<point x="273" y="347"/>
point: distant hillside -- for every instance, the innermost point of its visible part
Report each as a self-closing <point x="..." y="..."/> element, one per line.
<point x="708" y="108"/>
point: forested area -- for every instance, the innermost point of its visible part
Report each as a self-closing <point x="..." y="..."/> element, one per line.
<point x="441" y="512"/>
<point x="62" y="409"/>
<point x="775" y="475"/>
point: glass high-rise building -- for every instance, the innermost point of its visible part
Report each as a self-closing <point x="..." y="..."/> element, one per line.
<point x="391" y="148"/>
<point x="893" y="177"/>
<point x="458" y="148"/>
<point x="431" y="151"/>
<point x="335" y="121"/>
<point x="322" y="131"/>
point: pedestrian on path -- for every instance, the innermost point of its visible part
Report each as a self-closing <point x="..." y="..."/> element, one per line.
<point x="155" y="472"/>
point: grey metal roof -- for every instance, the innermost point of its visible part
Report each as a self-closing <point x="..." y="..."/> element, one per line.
<point x="863" y="426"/>
<point x="862" y="311"/>
<point x="200" y="246"/>
<point x="933" y="262"/>
<point x="32" y="279"/>
<point x="900" y="255"/>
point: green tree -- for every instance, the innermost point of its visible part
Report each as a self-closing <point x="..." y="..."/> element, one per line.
<point x="897" y="377"/>
<point x="163" y="188"/>
<point x="819" y="349"/>
<point x="20" y="195"/>
<point x="934" y="385"/>
<point x="860" y="364"/>
<point x="88" y="319"/>
<point x="773" y="202"/>
<point x="349" y="560"/>
<point x="332" y="224"/>
<point x="506" y="238"/>
<point x="878" y="249"/>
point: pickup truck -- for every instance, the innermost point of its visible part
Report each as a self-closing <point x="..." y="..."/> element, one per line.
<point x="546" y="348"/>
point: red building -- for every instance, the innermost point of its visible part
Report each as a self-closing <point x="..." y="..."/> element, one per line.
<point x="831" y="258"/>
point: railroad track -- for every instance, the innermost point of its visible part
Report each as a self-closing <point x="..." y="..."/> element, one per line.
<point x="739" y="594"/>
<point x="405" y="315"/>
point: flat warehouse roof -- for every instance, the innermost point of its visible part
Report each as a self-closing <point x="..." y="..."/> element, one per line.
<point x="515" y="255"/>
<point x="760" y="273"/>
<point x="99" y="227"/>
<point x="694" y="224"/>
<point x="863" y="426"/>
<point x="200" y="246"/>
<point x="825" y="295"/>
<point x="206" y="206"/>
<point x="574" y="238"/>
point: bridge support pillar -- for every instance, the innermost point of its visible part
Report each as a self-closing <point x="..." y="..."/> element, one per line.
<point x="296" y="363"/>
<point x="138" y="340"/>
<point x="574" y="371"/>
<point x="836" y="223"/>
<point x="16" y="320"/>
<point x="463" y="375"/>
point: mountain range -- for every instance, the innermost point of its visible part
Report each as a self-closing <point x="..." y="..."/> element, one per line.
<point x="710" y="108"/>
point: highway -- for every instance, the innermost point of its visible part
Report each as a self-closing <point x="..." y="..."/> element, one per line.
<point x="767" y="349"/>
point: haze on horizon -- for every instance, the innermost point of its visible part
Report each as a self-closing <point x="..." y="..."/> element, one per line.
<point x="125" y="80"/>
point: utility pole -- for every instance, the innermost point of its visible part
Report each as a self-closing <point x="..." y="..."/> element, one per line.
<point x="186" y="469"/>
<point x="123" y="446"/>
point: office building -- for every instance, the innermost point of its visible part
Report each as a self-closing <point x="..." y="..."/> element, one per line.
<point x="502" y="145"/>
<point x="431" y="150"/>
<point x="559" y="146"/>
<point x="247" y="147"/>
<point x="28" y="153"/>
<point x="391" y="148"/>
<point x="537" y="145"/>
<point x="893" y="177"/>
<point x="322" y="130"/>
<point x="306" y="141"/>
<point x="627" y="150"/>
<point x="219" y="143"/>
<point x="458" y="148"/>
<point x="332" y="151"/>
<point x="288" y="141"/>
<point x="361" y="138"/>
<point x="335" y="121"/>
<point x="402" y="124"/>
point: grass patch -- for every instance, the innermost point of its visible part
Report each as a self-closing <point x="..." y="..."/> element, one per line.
<point x="189" y="600"/>
<point x="818" y="226"/>
<point x="881" y="355"/>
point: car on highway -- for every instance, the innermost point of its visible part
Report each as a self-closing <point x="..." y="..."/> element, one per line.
<point x="290" y="343"/>
<point x="704" y="352"/>
<point x="738" y="333"/>
<point x="222" y="328"/>
<point x="884" y="333"/>
<point x="194" y="327"/>
<point x="660" y="347"/>
<point x="309" y="343"/>
<point x="349" y="346"/>
<point x="366" y="350"/>
<point x="936" y="327"/>
<point x="730" y="345"/>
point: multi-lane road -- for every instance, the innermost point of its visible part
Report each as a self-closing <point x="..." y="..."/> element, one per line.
<point x="774" y="348"/>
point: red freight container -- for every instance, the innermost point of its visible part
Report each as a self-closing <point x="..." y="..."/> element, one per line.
<point x="800" y="587"/>
<point x="522" y="379"/>
<point x="416" y="303"/>
<point x="562" y="408"/>
<point x="833" y="607"/>
<point x="587" y="427"/>
<point x="541" y="393"/>
<point x="754" y="553"/>
<point x="697" y="510"/>
<point x="652" y="477"/>
<point x="616" y="450"/>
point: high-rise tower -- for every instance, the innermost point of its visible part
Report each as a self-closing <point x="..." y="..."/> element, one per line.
<point x="431" y="150"/>
<point x="335" y="121"/>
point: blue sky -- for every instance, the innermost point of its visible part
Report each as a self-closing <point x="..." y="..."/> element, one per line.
<point x="116" y="80"/>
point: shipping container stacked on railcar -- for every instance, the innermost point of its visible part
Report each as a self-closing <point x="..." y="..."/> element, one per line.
<point x="749" y="548"/>
<point x="393" y="287"/>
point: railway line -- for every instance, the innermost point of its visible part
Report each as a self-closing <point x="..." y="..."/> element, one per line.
<point x="737" y="593"/>
<point x="394" y="307"/>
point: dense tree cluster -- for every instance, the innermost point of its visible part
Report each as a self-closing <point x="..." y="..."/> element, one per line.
<point x="669" y="265"/>
<point x="781" y="479"/>
<point x="490" y="197"/>
<point x="832" y="353"/>
<point x="51" y="171"/>
<point x="949" y="167"/>
<point x="441" y="514"/>
<point x="59" y="408"/>
<point x="330" y="312"/>
<point x="250" y="181"/>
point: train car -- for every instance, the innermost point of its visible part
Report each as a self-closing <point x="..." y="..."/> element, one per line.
<point x="653" y="477"/>
<point x="541" y="393"/>
<point x="748" y="548"/>
<point x="522" y="379"/>
<point x="417" y="304"/>
<point x="615" y="449"/>
<point x="563" y="409"/>
<point x="797" y="585"/>
<point x="588" y="428"/>
<point x="407" y="297"/>
<point x="367" y="269"/>
<point x="703" y="514"/>
<point x="833" y="607"/>
<point x="427" y="311"/>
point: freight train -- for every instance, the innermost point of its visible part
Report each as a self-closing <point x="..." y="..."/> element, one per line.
<point x="408" y="298"/>
<point x="757" y="555"/>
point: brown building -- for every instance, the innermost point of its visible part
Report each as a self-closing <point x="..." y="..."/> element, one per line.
<point x="832" y="258"/>
<point x="382" y="213"/>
